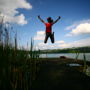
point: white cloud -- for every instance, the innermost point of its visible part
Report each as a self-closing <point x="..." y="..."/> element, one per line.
<point x="49" y="45"/>
<point x="75" y="24"/>
<point x="78" y="43"/>
<point x="82" y="27"/>
<point x="71" y="27"/>
<point x="42" y="46"/>
<point x="9" y="10"/>
<point x="60" y="42"/>
<point x="40" y="35"/>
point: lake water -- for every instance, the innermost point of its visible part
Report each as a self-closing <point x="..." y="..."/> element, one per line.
<point x="70" y="55"/>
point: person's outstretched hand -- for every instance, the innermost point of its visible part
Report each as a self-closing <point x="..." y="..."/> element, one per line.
<point x="59" y="17"/>
<point x="38" y="16"/>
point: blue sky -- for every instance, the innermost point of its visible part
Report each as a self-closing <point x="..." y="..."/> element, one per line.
<point x="72" y="30"/>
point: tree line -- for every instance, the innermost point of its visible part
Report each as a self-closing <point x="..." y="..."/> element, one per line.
<point x="68" y="50"/>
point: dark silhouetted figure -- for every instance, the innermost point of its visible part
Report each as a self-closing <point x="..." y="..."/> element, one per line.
<point x="48" y="25"/>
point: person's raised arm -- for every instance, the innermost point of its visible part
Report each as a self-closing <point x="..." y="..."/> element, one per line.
<point x="41" y="19"/>
<point x="56" y="20"/>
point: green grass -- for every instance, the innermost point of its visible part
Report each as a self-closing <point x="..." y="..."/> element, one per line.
<point x="18" y="68"/>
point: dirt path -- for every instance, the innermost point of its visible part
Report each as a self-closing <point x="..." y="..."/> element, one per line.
<point x="56" y="75"/>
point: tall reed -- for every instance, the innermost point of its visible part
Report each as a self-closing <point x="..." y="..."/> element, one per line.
<point x="17" y="69"/>
<point x="85" y="64"/>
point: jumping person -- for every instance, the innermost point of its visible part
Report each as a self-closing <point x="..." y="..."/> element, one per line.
<point x="48" y="25"/>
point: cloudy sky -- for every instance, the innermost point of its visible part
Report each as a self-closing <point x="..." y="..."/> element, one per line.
<point x="73" y="30"/>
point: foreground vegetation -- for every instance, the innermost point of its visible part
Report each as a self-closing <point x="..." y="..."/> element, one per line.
<point x="18" y="68"/>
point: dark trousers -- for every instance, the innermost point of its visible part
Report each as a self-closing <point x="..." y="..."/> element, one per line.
<point x="51" y="35"/>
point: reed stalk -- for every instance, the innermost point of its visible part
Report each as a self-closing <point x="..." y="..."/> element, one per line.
<point x="17" y="69"/>
<point x="85" y="64"/>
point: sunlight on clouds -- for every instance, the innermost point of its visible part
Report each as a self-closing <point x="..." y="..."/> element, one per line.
<point x="63" y="45"/>
<point x="43" y="46"/>
<point x="75" y="24"/>
<point x="9" y="10"/>
<point x="79" y="29"/>
<point x="71" y="27"/>
<point x="19" y="19"/>
<point x="40" y="35"/>
<point x="49" y="45"/>
<point x="59" y="42"/>
<point x="79" y="43"/>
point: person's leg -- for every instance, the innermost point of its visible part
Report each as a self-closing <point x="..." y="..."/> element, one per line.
<point x="46" y="38"/>
<point x="52" y="37"/>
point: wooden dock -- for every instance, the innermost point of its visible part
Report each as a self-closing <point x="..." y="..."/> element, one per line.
<point x="56" y="74"/>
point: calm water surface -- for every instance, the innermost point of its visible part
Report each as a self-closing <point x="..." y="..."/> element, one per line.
<point x="70" y="55"/>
